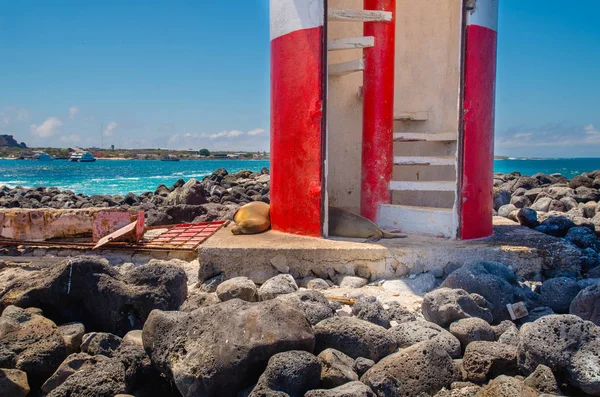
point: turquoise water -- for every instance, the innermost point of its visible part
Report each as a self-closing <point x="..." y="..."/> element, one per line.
<point x="138" y="176"/>
<point x="114" y="176"/>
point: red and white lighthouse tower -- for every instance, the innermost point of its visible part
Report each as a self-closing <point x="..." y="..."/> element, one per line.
<point x="385" y="108"/>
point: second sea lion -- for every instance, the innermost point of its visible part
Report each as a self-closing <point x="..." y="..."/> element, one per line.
<point x="252" y="218"/>
<point x="344" y="223"/>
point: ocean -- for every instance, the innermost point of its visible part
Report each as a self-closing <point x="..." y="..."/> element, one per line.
<point x="139" y="176"/>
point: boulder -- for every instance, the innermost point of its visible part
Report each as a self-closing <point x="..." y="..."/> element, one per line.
<point x="469" y="330"/>
<point x="492" y="280"/>
<point x="398" y="313"/>
<point x="445" y="305"/>
<point x="486" y="360"/>
<point x="102" y="343"/>
<point x="506" y="386"/>
<point x="198" y="299"/>
<point x="362" y="365"/>
<point x="192" y="193"/>
<point x="543" y="380"/>
<point x="242" y="335"/>
<point x="91" y="291"/>
<point x="317" y="284"/>
<point x="211" y="284"/>
<point x="336" y="368"/>
<point x="542" y="204"/>
<point x="370" y="309"/>
<point x="238" y="287"/>
<point x="510" y="337"/>
<point x="586" y="304"/>
<point x="584" y="194"/>
<point x="410" y="333"/>
<point x="84" y="375"/>
<point x="583" y="237"/>
<point x="557" y="226"/>
<point x="520" y="201"/>
<point x="354" y="337"/>
<point x="313" y="304"/>
<point x="505" y="210"/>
<point x="581" y="180"/>
<point x="567" y="345"/>
<point x="292" y="373"/>
<point x="31" y="343"/>
<point x="351" y="389"/>
<point x="216" y="212"/>
<point x="350" y="281"/>
<point x="557" y="293"/>
<point x="423" y="368"/>
<point x="13" y="383"/>
<point x="501" y="198"/>
<point x="72" y="334"/>
<point x="278" y="285"/>
<point x="528" y="217"/>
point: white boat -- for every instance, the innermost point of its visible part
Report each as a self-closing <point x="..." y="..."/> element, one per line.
<point x="41" y="156"/>
<point x="82" y="157"/>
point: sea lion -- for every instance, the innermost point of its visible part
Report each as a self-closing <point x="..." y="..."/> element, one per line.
<point x="344" y="223"/>
<point x="252" y="218"/>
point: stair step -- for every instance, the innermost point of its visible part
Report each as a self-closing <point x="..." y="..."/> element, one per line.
<point x="412" y="116"/>
<point x="352" y="15"/>
<point x="425" y="160"/>
<point x="350" y="43"/>
<point x="425" y="136"/>
<point x="433" y="186"/>
<point x="341" y="69"/>
<point x="425" y="220"/>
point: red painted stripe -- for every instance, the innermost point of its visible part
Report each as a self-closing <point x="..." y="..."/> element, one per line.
<point x="296" y="132"/>
<point x="478" y="139"/>
<point x="378" y="112"/>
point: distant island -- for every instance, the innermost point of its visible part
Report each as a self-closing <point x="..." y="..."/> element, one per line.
<point x="8" y="141"/>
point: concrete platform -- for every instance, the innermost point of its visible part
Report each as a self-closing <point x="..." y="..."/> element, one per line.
<point x="529" y="253"/>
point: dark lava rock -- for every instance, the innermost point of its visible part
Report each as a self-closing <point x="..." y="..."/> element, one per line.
<point x="291" y="372"/>
<point x="13" y="383"/>
<point x="102" y="343"/>
<point x="543" y="380"/>
<point x="398" y="313"/>
<point x="568" y="345"/>
<point x="218" y="349"/>
<point x="84" y="375"/>
<point x="492" y="280"/>
<point x="421" y="368"/>
<point x="443" y="306"/>
<point x="354" y="337"/>
<point x="89" y="290"/>
<point x="216" y="212"/>
<point x="199" y="299"/>
<point x="486" y="360"/>
<point x="368" y="308"/>
<point x="580" y="180"/>
<point x="469" y="330"/>
<point x="362" y="365"/>
<point x="584" y="194"/>
<point x="586" y="304"/>
<point x="557" y="293"/>
<point x="557" y="226"/>
<point x="192" y="193"/>
<point x="535" y="313"/>
<point x="583" y="237"/>
<point x="411" y="333"/>
<point x="313" y="304"/>
<point x="279" y="285"/>
<point x="351" y="389"/>
<point x="336" y="368"/>
<point x="211" y="284"/>
<point x="31" y="343"/>
<point x="501" y="198"/>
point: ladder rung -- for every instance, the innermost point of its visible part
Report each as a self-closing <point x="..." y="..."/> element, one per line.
<point x="351" y="15"/>
<point x="435" y="186"/>
<point x="424" y="160"/>
<point x="424" y="136"/>
<point x="412" y="116"/>
<point x="340" y="69"/>
<point x="350" y="43"/>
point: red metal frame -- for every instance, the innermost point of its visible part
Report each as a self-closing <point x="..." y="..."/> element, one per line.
<point x="378" y="111"/>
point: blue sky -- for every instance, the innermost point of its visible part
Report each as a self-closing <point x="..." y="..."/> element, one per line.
<point x="196" y="74"/>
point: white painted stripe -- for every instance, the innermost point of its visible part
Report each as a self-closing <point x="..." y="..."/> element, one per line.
<point x="425" y="220"/>
<point x="424" y="160"/>
<point x="341" y="69"/>
<point x="350" y="43"/>
<point x="288" y="16"/>
<point x="433" y="186"/>
<point x="350" y="15"/>
<point x="425" y="136"/>
<point x="485" y="14"/>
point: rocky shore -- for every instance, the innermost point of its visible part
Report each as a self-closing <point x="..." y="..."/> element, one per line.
<point x="83" y="327"/>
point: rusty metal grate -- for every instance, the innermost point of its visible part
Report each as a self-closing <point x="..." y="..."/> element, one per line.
<point x="186" y="236"/>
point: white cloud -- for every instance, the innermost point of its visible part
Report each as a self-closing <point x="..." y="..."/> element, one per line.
<point x="73" y="112"/>
<point x="109" y="130"/>
<point x="590" y="130"/>
<point x="70" y="138"/>
<point x="226" y="134"/>
<point x="47" y="128"/>
<point x="256" y="131"/>
<point x="22" y="115"/>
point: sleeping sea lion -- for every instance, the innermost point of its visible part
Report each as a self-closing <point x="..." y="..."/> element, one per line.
<point x="344" y="223"/>
<point x="252" y="218"/>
